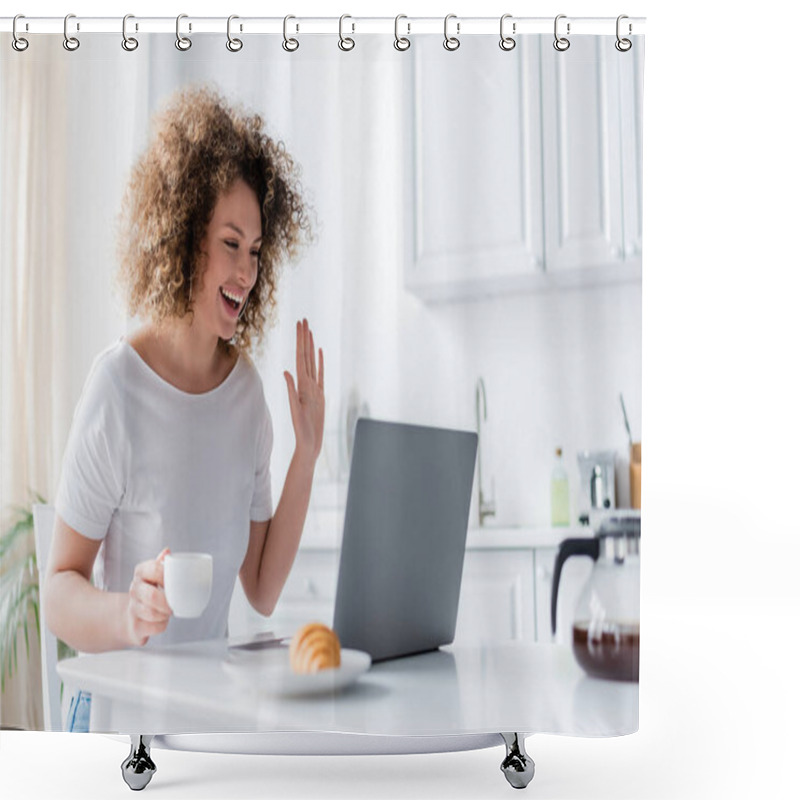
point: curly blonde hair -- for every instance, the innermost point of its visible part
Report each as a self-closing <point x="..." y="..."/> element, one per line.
<point x="199" y="147"/>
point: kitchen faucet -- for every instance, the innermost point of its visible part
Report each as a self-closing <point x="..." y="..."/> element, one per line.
<point x="486" y="508"/>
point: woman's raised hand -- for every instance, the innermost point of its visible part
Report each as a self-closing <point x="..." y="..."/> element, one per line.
<point x="148" y="611"/>
<point x="307" y="400"/>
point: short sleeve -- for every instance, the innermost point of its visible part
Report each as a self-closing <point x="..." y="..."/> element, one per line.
<point x="91" y="485"/>
<point x="261" y="506"/>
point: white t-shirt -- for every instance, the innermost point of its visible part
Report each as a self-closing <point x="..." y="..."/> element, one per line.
<point x="148" y="466"/>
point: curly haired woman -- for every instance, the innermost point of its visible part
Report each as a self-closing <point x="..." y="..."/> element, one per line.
<point x="171" y="440"/>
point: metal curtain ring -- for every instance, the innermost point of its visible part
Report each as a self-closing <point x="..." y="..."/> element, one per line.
<point x="401" y="43"/>
<point x="561" y="43"/>
<point x="507" y="42"/>
<point x="234" y="45"/>
<point x="623" y="45"/>
<point x="128" y="42"/>
<point x="18" y="43"/>
<point x="70" y="42"/>
<point x="290" y="45"/>
<point x="345" y="42"/>
<point x="183" y="43"/>
<point x="451" y="42"/>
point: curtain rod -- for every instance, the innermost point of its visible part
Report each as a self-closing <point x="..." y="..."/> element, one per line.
<point x="460" y="26"/>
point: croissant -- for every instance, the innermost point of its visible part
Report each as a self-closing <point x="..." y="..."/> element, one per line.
<point x="314" y="647"/>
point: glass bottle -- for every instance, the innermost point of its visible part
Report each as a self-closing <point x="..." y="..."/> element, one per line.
<point x="559" y="493"/>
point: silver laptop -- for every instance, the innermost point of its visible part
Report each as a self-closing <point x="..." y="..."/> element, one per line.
<point x="405" y="530"/>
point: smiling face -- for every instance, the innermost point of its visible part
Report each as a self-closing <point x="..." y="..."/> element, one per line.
<point x="228" y="264"/>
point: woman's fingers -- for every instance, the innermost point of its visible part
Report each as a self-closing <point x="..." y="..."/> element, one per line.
<point x="151" y="571"/>
<point x="150" y="601"/>
<point x="313" y="372"/>
<point x="301" y="356"/>
<point x="147" y="589"/>
<point x="292" y="392"/>
<point x="143" y="630"/>
<point x="306" y="358"/>
<point x="146" y="612"/>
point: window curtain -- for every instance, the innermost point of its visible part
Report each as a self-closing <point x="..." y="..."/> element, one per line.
<point x="56" y="283"/>
<point x="33" y="318"/>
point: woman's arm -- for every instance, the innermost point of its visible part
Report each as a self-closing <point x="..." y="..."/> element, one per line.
<point x="273" y="544"/>
<point x="90" y="619"/>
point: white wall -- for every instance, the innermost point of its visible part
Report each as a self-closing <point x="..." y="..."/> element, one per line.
<point x="554" y="363"/>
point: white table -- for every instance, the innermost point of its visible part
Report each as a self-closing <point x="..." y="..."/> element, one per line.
<point x="456" y="690"/>
<point x="457" y="698"/>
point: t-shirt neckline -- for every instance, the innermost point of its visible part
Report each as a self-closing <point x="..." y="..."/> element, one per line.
<point x="154" y="376"/>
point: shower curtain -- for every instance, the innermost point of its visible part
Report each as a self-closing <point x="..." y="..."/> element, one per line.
<point x="474" y="263"/>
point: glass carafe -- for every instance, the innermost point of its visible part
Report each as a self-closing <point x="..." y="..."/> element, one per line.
<point x="605" y="628"/>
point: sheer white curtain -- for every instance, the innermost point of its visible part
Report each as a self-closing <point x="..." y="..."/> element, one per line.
<point x="56" y="248"/>
<point x="32" y="278"/>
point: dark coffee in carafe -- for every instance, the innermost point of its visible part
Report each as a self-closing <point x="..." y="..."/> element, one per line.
<point x="607" y="650"/>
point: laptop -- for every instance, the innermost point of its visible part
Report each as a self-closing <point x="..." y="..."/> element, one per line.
<point x="404" y="536"/>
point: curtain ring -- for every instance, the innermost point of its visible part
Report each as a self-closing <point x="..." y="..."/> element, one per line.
<point x="183" y="43"/>
<point x="234" y="45"/>
<point x="561" y="43"/>
<point x="451" y="42"/>
<point x="128" y="42"/>
<point x="401" y="43"/>
<point x="507" y="42"/>
<point x="18" y="43"/>
<point x="70" y="43"/>
<point x="346" y="43"/>
<point x="623" y="45"/>
<point x="290" y="45"/>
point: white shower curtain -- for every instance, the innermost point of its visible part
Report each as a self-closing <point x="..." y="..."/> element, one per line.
<point x="554" y="355"/>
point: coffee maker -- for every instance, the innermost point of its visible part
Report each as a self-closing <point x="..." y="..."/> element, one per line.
<point x="597" y="491"/>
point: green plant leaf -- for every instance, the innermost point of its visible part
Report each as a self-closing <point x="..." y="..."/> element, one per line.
<point x="19" y="587"/>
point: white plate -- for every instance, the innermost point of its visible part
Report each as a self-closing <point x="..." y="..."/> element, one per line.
<point x="269" y="671"/>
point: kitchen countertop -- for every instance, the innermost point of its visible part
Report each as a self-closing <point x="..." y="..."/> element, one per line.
<point x="324" y="532"/>
<point x="521" y="537"/>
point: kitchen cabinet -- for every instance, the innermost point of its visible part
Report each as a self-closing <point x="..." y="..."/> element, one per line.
<point x="524" y="169"/>
<point x="496" y="602"/>
<point x="505" y="590"/>
<point x="309" y="594"/>
<point x="310" y="590"/>
<point x="630" y="81"/>
<point x="473" y="177"/>
<point x="574" y="575"/>
<point x="582" y="155"/>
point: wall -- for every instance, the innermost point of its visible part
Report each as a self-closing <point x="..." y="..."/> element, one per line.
<point x="554" y="363"/>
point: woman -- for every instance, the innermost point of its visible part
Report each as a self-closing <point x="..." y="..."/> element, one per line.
<point x="170" y="444"/>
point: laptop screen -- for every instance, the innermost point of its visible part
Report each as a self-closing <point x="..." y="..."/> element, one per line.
<point x="405" y="530"/>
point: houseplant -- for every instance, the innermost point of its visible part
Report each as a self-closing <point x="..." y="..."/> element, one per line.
<point x="19" y="588"/>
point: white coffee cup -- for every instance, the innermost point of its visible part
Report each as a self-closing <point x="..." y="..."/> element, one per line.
<point x="187" y="582"/>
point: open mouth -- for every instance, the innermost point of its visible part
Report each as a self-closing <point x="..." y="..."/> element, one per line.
<point x="233" y="301"/>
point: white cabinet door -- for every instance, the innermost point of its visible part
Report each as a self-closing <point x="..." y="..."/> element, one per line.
<point x="630" y="90"/>
<point x="473" y="156"/>
<point x="496" y="602"/>
<point x="582" y="146"/>
<point x="574" y="575"/>
<point x="309" y="594"/>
